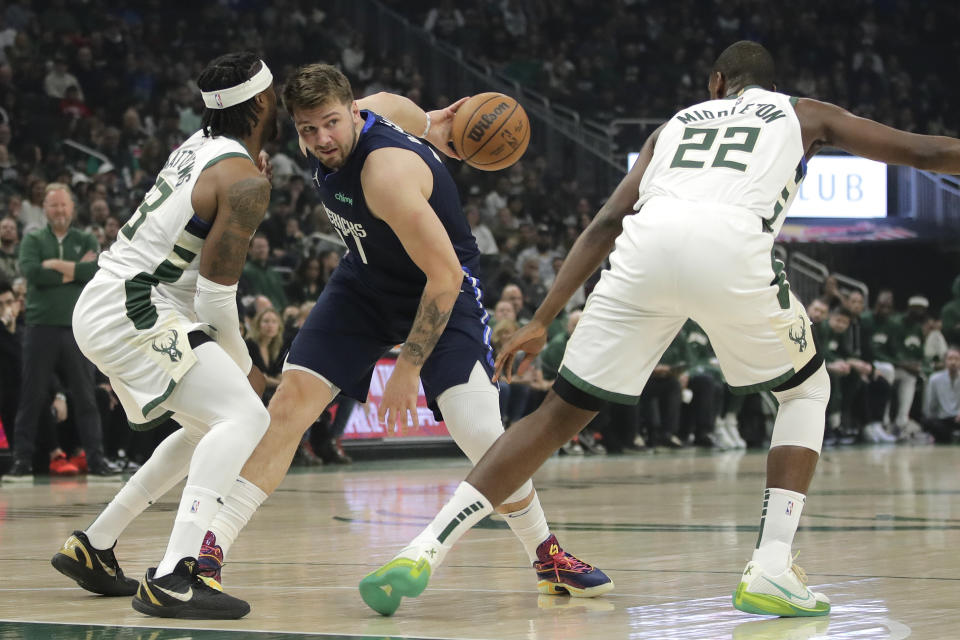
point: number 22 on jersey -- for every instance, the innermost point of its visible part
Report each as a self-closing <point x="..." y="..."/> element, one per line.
<point x="735" y="140"/>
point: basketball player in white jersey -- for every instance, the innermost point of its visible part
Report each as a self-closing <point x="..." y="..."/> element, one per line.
<point x="714" y="184"/>
<point x="160" y="320"/>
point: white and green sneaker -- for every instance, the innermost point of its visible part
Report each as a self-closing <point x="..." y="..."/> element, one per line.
<point x="785" y="594"/>
<point x="406" y="575"/>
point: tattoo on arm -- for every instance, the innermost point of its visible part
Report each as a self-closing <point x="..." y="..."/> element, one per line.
<point x="427" y="327"/>
<point x="248" y="201"/>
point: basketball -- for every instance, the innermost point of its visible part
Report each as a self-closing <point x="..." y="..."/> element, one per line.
<point x="491" y="131"/>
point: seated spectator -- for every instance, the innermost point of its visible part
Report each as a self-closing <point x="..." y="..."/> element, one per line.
<point x="941" y="401"/>
<point x="848" y="376"/>
<point x="533" y="288"/>
<point x="9" y="249"/>
<point x="831" y="293"/>
<point x="485" y="241"/>
<point x="111" y="227"/>
<point x="950" y="314"/>
<point x="818" y="310"/>
<point x="705" y="381"/>
<point x="259" y="277"/>
<point x="307" y="282"/>
<point x="934" y="346"/>
<point x="513" y="294"/>
<point x="265" y="345"/>
<point x="661" y="399"/>
<point x="909" y="363"/>
<point x="503" y="311"/>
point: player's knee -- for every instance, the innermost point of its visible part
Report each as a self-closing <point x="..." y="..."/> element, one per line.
<point x="246" y="411"/>
<point x="298" y="401"/>
<point x="473" y="419"/>
<point x="816" y="387"/>
<point x="801" y="417"/>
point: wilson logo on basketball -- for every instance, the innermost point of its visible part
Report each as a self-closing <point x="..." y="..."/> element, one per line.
<point x="476" y="132"/>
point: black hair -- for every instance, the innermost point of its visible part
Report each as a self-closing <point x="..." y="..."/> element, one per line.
<point x="843" y="311"/>
<point x="744" y="63"/>
<point x="5" y="286"/>
<point x="222" y="73"/>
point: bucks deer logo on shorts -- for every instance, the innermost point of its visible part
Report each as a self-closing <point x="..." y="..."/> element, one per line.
<point x="800" y="338"/>
<point x="168" y="345"/>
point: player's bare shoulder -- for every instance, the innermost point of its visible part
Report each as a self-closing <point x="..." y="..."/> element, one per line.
<point x="248" y="199"/>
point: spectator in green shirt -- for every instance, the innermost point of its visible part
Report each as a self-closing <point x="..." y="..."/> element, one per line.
<point x="909" y="363"/>
<point x="57" y="260"/>
<point x="260" y="278"/>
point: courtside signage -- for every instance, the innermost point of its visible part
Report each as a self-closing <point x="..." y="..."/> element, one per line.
<point x="836" y="187"/>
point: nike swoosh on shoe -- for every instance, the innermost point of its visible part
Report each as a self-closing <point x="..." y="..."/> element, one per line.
<point x="183" y="597"/>
<point x="806" y="600"/>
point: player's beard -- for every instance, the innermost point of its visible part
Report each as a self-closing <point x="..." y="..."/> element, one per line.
<point x="340" y="158"/>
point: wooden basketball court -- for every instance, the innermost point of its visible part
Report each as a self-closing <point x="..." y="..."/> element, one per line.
<point x="880" y="535"/>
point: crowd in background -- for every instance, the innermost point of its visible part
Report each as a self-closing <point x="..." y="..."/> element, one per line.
<point x="598" y="57"/>
<point x="96" y="99"/>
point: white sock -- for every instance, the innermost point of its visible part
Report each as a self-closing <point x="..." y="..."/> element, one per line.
<point x="778" y="525"/>
<point x="466" y="508"/>
<point x="197" y="508"/>
<point x="166" y="467"/>
<point x="238" y="507"/>
<point x="125" y="506"/>
<point x="530" y="525"/>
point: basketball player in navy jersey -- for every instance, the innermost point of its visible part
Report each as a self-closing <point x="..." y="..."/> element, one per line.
<point x="408" y="277"/>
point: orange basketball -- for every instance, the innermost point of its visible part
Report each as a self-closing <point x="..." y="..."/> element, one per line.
<point x="491" y="131"/>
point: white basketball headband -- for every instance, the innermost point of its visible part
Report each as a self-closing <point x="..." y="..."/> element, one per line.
<point x="224" y="98"/>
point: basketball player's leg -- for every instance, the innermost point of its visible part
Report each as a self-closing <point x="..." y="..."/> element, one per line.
<point x="471" y="414"/>
<point x="329" y="350"/>
<point x="776" y="352"/>
<point x="167" y="466"/>
<point x="611" y="339"/>
<point x="236" y="423"/>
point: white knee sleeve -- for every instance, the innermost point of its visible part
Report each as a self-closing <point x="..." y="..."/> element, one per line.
<point x="802" y="412"/>
<point x="471" y="412"/>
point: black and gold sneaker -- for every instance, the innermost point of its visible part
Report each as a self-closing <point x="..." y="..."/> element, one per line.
<point x="184" y="594"/>
<point x="95" y="570"/>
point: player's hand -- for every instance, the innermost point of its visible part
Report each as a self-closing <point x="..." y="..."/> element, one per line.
<point x="263" y="163"/>
<point x="400" y="399"/>
<point x="257" y="380"/>
<point x="441" y="128"/>
<point x="530" y="339"/>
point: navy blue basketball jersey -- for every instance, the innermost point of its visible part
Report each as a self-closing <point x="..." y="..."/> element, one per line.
<point x="370" y="302"/>
<point x="375" y="255"/>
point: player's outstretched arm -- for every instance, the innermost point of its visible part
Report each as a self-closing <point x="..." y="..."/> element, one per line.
<point x="397" y="184"/>
<point x="825" y="124"/>
<point x="239" y="195"/>
<point x="433" y="126"/>
<point x="588" y="252"/>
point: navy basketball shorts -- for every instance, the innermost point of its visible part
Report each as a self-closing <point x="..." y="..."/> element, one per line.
<point x="349" y="330"/>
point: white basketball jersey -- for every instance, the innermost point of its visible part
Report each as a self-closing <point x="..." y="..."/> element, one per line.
<point x="744" y="151"/>
<point x="160" y="245"/>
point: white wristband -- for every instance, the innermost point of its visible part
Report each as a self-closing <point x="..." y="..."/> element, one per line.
<point x="426" y="129"/>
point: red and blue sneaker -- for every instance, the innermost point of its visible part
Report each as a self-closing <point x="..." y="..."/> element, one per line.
<point x="559" y="572"/>
<point x="210" y="560"/>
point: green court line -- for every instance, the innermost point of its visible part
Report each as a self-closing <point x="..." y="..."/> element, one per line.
<point x="27" y="630"/>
